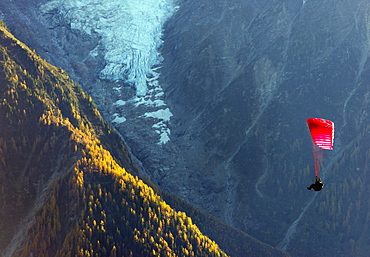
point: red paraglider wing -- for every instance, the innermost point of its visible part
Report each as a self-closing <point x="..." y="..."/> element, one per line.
<point x="322" y="132"/>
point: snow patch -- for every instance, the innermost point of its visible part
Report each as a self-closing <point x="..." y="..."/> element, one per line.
<point x="161" y="127"/>
<point x="164" y="137"/>
<point x="118" y="119"/>
<point x="120" y="102"/>
<point x="148" y="102"/>
<point x="160" y="114"/>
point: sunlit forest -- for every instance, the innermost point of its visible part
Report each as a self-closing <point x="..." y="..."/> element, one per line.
<point x="68" y="185"/>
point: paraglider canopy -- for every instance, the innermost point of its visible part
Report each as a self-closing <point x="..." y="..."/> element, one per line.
<point x="322" y="132"/>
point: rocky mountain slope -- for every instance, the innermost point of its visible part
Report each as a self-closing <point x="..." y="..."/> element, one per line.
<point x="240" y="88"/>
<point x="69" y="186"/>
<point x="237" y="81"/>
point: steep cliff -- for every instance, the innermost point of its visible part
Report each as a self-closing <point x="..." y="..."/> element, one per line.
<point x="237" y="81"/>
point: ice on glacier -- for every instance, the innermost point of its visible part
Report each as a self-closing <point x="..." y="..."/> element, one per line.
<point x="131" y="33"/>
<point x="118" y="119"/>
<point x="120" y="102"/>
<point x="143" y="100"/>
<point x="163" y="115"/>
<point x="160" y="114"/>
<point x="164" y="137"/>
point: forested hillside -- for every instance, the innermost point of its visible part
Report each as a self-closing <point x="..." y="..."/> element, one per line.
<point x="68" y="185"/>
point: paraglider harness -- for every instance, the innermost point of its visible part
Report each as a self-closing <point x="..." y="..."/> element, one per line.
<point x="317" y="186"/>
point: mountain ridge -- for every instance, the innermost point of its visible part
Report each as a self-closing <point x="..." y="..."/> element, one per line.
<point x="69" y="191"/>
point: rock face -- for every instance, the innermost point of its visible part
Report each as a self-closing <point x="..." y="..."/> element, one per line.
<point x="237" y="81"/>
<point x="240" y="84"/>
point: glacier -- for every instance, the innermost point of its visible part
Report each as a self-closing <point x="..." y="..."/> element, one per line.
<point x="130" y="32"/>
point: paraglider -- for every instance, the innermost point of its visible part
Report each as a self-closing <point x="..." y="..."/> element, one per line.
<point x="322" y="134"/>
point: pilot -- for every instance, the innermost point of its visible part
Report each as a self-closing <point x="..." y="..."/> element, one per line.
<point x="317" y="186"/>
